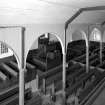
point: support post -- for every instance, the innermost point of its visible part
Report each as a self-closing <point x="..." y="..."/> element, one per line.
<point x="44" y="86"/>
<point x="21" y="86"/>
<point x="87" y="51"/>
<point x="21" y="72"/>
<point x="64" y="67"/>
<point x="37" y="81"/>
<point x="52" y="93"/>
<point x="64" y="72"/>
<point x="87" y="59"/>
<point x="101" y="51"/>
<point x="101" y="44"/>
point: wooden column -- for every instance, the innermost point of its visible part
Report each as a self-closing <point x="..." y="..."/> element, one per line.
<point x="87" y="51"/>
<point x="87" y="59"/>
<point x="21" y="72"/>
<point x="101" y="51"/>
<point x="37" y="81"/>
<point x="101" y="45"/>
<point x="44" y="86"/>
<point x="21" y="86"/>
<point x="64" y="72"/>
<point x="64" y="66"/>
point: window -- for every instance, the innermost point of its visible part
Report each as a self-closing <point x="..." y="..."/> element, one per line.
<point x="95" y="35"/>
<point x="5" y="51"/>
<point x="3" y="48"/>
<point x="78" y="35"/>
<point x="46" y="35"/>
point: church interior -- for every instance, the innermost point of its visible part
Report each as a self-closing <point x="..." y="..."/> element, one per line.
<point x="52" y="52"/>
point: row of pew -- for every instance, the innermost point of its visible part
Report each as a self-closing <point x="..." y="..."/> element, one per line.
<point x="9" y="81"/>
<point x="49" y="66"/>
<point x="78" y="48"/>
<point x="79" y="83"/>
<point x="47" y="59"/>
<point x="77" y="78"/>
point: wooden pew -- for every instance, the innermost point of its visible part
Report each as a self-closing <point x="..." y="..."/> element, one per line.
<point x="13" y="98"/>
<point x="57" y="76"/>
<point x="51" y="75"/>
<point x="8" y="92"/>
<point x="88" y="90"/>
<point x="102" y="65"/>
<point x="3" y="76"/>
<point x="73" y="68"/>
<point x="52" y="71"/>
<point x="77" y="72"/>
<point x="30" y="66"/>
<point x="13" y="65"/>
<point x="80" y="57"/>
<point x="10" y="70"/>
<point x="79" y="83"/>
<point x="9" y="76"/>
<point x="30" y="72"/>
<point x="95" y="62"/>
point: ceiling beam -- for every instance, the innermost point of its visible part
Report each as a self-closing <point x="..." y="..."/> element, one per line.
<point x="73" y="17"/>
<point x="83" y="10"/>
<point x="96" y="8"/>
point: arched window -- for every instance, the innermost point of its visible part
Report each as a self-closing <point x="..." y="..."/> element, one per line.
<point x="95" y="35"/>
<point x="5" y="51"/>
<point x="78" y="35"/>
